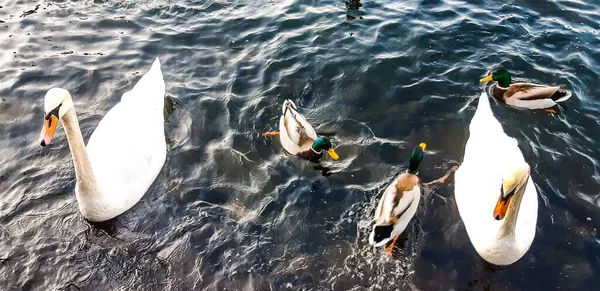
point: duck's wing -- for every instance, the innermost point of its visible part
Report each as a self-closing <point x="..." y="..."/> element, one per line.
<point x="535" y="96"/>
<point x="296" y="134"/>
<point x="394" y="203"/>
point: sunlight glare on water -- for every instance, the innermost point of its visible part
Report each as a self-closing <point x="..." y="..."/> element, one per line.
<point x="230" y="210"/>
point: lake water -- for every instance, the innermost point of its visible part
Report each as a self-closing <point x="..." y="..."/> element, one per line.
<point x="230" y="210"/>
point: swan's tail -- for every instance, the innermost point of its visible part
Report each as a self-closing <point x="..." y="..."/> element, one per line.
<point x="151" y="88"/>
<point x="483" y="114"/>
<point x="484" y="104"/>
<point x="484" y="122"/>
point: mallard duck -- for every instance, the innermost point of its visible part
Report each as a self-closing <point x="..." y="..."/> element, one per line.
<point x="398" y="204"/>
<point x="525" y="95"/>
<point x="495" y="194"/>
<point x="298" y="137"/>
<point x="123" y="155"/>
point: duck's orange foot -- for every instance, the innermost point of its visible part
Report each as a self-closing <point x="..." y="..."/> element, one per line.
<point x="270" y="133"/>
<point x="551" y="111"/>
<point x="389" y="248"/>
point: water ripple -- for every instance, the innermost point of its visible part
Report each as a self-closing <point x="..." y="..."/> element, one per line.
<point x="232" y="210"/>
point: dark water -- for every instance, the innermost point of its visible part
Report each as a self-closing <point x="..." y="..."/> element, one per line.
<point x="230" y="210"/>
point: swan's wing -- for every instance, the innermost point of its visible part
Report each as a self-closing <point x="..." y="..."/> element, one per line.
<point x="128" y="149"/>
<point x="527" y="219"/>
<point x="488" y="153"/>
<point x="477" y="180"/>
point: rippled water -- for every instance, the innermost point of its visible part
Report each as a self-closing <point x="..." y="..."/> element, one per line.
<point x="230" y="210"/>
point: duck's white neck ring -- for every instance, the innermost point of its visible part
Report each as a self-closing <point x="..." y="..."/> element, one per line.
<point x="412" y="174"/>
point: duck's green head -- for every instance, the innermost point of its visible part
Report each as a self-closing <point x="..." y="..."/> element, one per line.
<point x="323" y="143"/>
<point x="415" y="159"/>
<point x="501" y="76"/>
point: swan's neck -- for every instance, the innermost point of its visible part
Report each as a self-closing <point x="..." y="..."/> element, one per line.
<point x="86" y="182"/>
<point x="509" y="223"/>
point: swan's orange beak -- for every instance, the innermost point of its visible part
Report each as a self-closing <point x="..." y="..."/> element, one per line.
<point x="501" y="207"/>
<point x="512" y="185"/>
<point x="48" y="129"/>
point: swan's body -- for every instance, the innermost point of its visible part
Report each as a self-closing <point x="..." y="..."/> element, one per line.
<point x="491" y="156"/>
<point x="123" y="155"/>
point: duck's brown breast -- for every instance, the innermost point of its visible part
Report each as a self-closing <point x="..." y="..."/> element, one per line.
<point x="498" y="93"/>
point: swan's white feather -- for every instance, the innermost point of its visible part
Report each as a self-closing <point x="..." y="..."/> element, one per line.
<point x="489" y="153"/>
<point x="128" y="149"/>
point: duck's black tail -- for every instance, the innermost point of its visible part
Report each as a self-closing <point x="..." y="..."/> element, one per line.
<point x="382" y="232"/>
<point x="561" y="95"/>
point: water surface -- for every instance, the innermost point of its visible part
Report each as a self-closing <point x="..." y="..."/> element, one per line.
<point x="230" y="210"/>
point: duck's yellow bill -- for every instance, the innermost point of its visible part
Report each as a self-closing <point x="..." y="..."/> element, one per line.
<point x="501" y="207"/>
<point x="48" y="130"/>
<point x="333" y="154"/>
<point x="422" y="145"/>
<point x="486" y="79"/>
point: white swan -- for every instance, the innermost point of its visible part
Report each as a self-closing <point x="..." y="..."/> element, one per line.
<point x="124" y="154"/>
<point x="495" y="195"/>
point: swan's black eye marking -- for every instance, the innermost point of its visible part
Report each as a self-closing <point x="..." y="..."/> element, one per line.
<point x="512" y="192"/>
<point x="53" y="112"/>
<point x="507" y="195"/>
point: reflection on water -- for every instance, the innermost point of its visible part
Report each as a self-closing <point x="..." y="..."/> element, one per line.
<point x="325" y="171"/>
<point x="352" y="5"/>
<point x="230" y="210"/>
